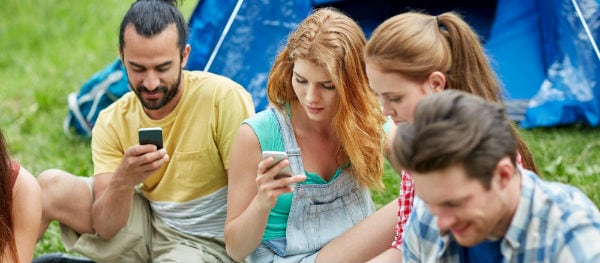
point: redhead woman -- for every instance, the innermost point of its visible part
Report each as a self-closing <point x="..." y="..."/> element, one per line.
<point x="326" y="118"/>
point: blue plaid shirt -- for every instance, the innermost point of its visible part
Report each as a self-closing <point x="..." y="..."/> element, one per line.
<point x="553" y="223"/>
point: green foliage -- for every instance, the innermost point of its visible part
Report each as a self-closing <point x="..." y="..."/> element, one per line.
<point x="391" y="180"/>
<point x="49" y="48"/>
<point x="569" y="155"/>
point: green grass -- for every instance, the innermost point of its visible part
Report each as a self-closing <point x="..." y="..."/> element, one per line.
<point x="569" y="155"/>
<point x="49" y="48"/>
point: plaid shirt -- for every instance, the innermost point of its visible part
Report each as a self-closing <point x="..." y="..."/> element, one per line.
<point x="405" y="202"/>
<point x="553" y="223"/>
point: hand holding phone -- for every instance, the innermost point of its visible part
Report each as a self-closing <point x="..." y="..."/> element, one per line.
<point x="151" y="136"/>
<point x="278" y="156"/>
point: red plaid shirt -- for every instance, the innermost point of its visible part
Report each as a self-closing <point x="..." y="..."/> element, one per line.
<point x="405" y="203"/>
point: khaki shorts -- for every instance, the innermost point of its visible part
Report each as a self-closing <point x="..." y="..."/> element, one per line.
<point x="144" y="239"/>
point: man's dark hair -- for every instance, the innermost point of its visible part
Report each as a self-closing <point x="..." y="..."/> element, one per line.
<point x="454" y="127"/>
<point x="151" y="17"/>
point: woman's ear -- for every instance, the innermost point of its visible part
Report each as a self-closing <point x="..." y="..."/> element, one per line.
<point x="437" y="81"/>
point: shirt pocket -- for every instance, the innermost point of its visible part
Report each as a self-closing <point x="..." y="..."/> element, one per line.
<point x="198" y="170"/>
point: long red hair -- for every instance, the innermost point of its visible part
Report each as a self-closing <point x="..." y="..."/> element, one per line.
<point x="334" y="41"/>
<point x="7" y="236"/>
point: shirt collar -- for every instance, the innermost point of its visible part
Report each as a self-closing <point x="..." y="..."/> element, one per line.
<point x="523" y="214"/>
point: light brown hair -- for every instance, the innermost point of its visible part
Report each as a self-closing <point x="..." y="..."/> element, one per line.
<point x="415" y="45"/>
<point x="454" y="127"/>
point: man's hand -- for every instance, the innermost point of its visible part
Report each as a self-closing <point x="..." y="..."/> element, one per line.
<point x="114" y="192"/>
<point x="139" y="162"/>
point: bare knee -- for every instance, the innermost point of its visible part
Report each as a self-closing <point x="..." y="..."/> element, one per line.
<point x="63" y="195"/>
<point x="48" y="177"/>
<point x="55" y="183"/>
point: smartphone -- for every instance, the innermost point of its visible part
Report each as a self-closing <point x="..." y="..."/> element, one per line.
<point x="278" y="156"/>
<point x="151" y="136"/>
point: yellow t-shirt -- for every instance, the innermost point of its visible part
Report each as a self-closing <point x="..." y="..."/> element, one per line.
<point x="197" y="136"/>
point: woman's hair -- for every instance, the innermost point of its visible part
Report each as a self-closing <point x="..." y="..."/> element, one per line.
<point x="331" y="39"/>
<point x="415" y="45"/>
<point x="456" y="128"/>
<point x="7" y="238"/>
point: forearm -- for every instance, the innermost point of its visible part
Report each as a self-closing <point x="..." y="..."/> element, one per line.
<point x="113" y="192"/>
<point x="390" y="255"/>
<point x="244" y="233"/>
<point x="111" y="210"/>
<point x="364" y="241"/>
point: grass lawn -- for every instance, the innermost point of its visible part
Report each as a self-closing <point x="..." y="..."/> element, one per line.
<point x="49" y="48"/>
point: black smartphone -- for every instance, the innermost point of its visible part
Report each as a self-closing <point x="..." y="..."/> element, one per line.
<point x="151" y="136"/>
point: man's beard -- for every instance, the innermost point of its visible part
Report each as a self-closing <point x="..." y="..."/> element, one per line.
<point x="169" y="94"/>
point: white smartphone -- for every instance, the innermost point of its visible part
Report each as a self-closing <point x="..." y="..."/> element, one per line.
<point x="278" y="156"/>
<point x="151" y="136"/>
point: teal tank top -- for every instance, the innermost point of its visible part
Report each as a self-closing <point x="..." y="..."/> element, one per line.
<point x="269" y="136"/>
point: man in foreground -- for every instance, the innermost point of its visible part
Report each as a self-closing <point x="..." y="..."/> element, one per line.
<point x="474" y="204"/>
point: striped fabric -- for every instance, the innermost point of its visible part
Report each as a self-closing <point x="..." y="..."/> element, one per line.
<point x="204" y="217"/>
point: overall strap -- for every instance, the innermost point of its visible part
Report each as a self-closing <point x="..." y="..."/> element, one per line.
<point x="289" y="142"/>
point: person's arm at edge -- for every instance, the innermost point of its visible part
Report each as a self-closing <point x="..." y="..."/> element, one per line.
<point x="405" y="203"/>
<point x="364" y="241"/>
<point x="27" y="214"/>
<point x="246" y="219"/>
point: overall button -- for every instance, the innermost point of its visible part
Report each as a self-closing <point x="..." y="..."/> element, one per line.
<point x="301" y="192"/>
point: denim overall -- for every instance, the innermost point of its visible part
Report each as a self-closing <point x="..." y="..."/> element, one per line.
<point x="319" y="212"/>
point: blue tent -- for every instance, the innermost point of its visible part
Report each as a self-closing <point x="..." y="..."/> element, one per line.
<point x="544" y="51"/>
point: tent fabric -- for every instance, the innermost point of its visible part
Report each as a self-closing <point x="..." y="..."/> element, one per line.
<point x="570" y="93"/>
<point x="514" y="48"/>
<point x="542" y="50"/>
<point x="240" y="39"/>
